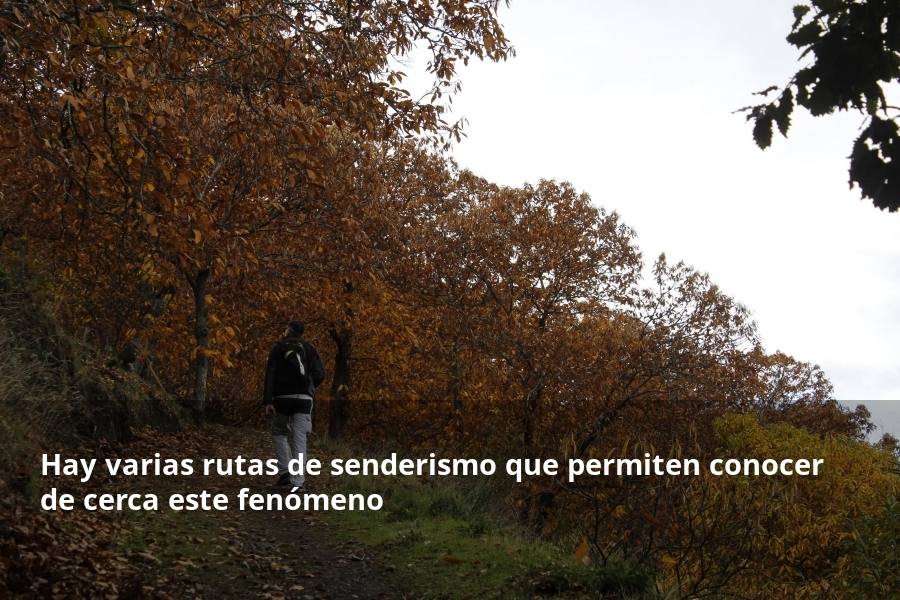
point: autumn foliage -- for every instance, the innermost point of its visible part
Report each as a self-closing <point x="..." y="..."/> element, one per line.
<point x="194" y="174"/>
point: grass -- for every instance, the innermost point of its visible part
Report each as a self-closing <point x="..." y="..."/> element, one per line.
<point x="442" y="542"/>
<point x="36" y="394"/>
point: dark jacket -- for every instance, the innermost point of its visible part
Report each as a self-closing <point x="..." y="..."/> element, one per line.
<point x="283" y="378"/>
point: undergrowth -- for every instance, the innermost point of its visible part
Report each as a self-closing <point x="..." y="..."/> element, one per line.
<point x="446" y="538"/>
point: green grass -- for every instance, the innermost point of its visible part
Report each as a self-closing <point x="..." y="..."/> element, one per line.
<point x="442" y="542"/>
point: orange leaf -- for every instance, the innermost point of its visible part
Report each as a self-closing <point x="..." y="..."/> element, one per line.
<point x="581" y="552"/>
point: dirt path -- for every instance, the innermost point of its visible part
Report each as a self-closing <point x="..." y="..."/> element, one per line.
<point x="233" y="554"/>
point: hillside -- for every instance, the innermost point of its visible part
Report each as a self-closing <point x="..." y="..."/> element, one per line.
<point x="61" y="395"/>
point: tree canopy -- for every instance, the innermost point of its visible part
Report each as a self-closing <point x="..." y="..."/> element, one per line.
<point x="190" y="175"/>
<point x="851" y="56"/>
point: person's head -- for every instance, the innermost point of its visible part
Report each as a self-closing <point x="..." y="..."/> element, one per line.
<point x="294" y="329"/>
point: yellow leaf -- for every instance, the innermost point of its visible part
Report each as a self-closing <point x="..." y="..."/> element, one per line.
<point x="198" y="237"/>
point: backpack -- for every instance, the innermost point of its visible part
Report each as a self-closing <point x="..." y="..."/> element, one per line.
<point x="292" y="370"/>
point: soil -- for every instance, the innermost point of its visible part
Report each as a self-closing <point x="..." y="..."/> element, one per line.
<point x="242" y="554"/>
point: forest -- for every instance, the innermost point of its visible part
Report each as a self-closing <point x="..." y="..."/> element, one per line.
<point x="181" y="178"/>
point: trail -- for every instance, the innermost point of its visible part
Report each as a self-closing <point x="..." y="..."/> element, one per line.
<point x="235" y="554"/>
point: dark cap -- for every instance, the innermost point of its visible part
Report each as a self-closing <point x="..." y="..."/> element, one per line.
<point x="296" y="327"/>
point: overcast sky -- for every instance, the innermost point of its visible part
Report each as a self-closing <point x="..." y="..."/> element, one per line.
<point x="633" y="102"/>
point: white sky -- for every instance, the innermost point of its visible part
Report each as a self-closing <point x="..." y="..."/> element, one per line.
<point x="633" y="102"/>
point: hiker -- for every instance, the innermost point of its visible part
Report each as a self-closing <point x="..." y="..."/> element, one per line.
<point x="293" y="372"/>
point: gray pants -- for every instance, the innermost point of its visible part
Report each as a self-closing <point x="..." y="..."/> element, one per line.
<point x="289" y="434"/>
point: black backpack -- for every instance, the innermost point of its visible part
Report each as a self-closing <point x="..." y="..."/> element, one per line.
<point x="291" y="369"/>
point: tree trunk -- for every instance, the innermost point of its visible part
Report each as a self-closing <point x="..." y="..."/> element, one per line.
<point x="201" y="335"/>
<point x="455" y="391"/>
<point x="339" y="406"/>
<point x="530" y="404"/>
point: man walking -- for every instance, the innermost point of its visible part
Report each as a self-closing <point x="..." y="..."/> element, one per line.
<point x="293" y="372"/>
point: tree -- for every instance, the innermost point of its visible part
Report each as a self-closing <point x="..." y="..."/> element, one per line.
<point x="538" y="259"/>
<point x="854" y="52"/>
<point x="803" y="524"/>
<point x="875" y="567"/>
<point x="177" y="134"/>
